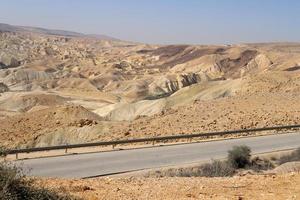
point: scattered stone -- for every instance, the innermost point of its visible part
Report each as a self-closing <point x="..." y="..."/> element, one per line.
<point x="3" y="88"/>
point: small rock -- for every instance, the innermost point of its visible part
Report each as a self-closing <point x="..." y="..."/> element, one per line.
<point x="86" y="188"/>
<point x="127" y="133"/>
<point x="189" y="195"/>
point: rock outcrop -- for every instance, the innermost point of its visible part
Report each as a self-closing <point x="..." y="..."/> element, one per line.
<point x="3" y="88"/>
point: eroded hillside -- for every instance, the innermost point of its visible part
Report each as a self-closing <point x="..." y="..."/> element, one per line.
<point x="70" y="89"/>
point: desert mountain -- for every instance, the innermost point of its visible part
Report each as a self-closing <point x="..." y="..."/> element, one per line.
<point x="44" y="31"/>
<point x="60" y="87"/>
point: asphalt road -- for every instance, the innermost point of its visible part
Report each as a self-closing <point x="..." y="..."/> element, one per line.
<point x="95" y="164"/>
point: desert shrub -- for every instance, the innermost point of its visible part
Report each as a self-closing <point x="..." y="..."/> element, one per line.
<point x="3" y="87"/>
<point x="294" y="156"/>
<point x="181" y="172"/>
<point x="273" y="158"/>
<point x="258" y="164"/>
<point x="15" y="186"/>
<point x="216" y="169"/>
<point x="3" y="151"/>
<point x="175" y="172"/>
<point x="239" y="156"/>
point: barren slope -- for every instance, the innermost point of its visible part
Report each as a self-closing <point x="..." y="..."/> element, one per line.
<point x="265" y="187"/>
<point x="138" y="90"/>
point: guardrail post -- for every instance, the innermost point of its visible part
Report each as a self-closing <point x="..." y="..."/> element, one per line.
<point x="153" y="143"/>
<point x="17" y="156"/>
<point x="66" y="149"/>
<point x="113" y="146"/>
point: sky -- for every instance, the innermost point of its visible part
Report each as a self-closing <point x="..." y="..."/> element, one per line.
<point x="164" y="21"/>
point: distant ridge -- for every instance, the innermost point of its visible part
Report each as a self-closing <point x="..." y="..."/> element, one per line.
<point x="51" y="31"/>
<point x="11" y="28"/>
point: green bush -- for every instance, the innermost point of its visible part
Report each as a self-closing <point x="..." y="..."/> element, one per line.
<point x="14" y="186"/>
<point x="239" y="156"/>
<point x="294" y="156"/>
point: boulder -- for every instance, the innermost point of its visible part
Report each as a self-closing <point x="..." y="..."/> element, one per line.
<point x="287" y="168"/>
<point x="3" y="88"/>
<point x="7" y="61"/>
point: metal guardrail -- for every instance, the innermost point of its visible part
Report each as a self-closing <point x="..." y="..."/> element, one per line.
<point x="153" y="139"/>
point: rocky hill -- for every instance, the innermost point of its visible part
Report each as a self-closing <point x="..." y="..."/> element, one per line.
<point x="44" y="31"/>
<point x="135" y="90"/>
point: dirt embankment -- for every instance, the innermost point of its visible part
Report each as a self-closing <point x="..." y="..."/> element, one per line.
<point x="264" y="187"/>
<point x="28" y="127"/>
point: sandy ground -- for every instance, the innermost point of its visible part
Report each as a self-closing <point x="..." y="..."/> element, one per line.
<point x="247" y="187"/>
<point x="232" y="113"/>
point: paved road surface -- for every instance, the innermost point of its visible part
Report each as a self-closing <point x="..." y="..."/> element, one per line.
<point x="95" y="164"/>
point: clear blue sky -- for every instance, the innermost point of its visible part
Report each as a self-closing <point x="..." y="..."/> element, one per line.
<point x="164" y="21"/>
